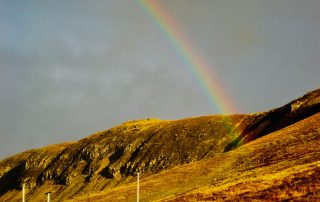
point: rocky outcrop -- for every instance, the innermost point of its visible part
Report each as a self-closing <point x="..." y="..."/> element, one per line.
<point x="113" y="157"/>
<point x="264" y="123"/>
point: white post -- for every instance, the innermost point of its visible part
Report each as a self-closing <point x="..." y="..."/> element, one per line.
<point x="23" y="192"/>
<point x="138" y="187"/>
<point x="48" y="196"/>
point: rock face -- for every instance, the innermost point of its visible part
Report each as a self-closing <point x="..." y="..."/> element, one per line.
<point x="113" y="157"/>
<point x="281" y="166"/>
<point x="264" y="123"/>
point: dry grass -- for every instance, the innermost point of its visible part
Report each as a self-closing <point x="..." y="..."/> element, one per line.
<point x="283" y="165"/>
<point x="191" y="159"/>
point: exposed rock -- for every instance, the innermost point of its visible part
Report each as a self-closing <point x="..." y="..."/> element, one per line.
<point x="113" y="157"/>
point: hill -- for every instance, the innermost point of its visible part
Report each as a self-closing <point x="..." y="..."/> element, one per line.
<point x="217" y="148"/>
<point x="284" y="165"/>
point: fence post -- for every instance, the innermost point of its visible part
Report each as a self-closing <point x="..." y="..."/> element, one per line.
<point x="48" y="194"/>
<point x="23" y="192"/>
<point x="138" y="187"/>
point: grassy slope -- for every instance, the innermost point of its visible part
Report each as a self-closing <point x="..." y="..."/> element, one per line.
<point x="109" y="160"/>
<point x="98" y="161"/>
<point x="282" y="165"/>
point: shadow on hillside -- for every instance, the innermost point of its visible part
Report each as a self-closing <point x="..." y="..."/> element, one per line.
<point x="12" y="179"/>
<point x="272" y="121"/>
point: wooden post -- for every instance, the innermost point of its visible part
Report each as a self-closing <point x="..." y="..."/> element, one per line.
<point x="138" y="187"/>
<point x="48" y="196"/>
<point x="23" y="192"/>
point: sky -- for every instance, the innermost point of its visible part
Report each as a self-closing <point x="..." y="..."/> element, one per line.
<point x="69" y="68"/>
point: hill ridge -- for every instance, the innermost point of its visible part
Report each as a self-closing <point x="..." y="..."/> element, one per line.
<point x="113" y="157"/>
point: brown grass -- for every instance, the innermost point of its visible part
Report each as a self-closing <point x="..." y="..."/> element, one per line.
<point x="281" y="166"/>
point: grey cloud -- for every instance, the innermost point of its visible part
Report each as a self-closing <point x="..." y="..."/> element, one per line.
<point x="70" y="68"/>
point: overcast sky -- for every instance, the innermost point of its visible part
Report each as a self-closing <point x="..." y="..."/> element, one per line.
<point x="71" y="68"/>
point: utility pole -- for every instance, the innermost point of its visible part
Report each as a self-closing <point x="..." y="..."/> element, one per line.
<point x="23" y="192"/>
<point x="138" y="187"/>
<point x="48" y="196"/>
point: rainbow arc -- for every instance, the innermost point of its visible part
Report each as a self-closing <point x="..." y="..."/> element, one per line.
<point x="195" y="64"/>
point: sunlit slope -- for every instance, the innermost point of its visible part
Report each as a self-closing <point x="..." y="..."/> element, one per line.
<point x="113" y="157"/>
<point x="280" y="166"/>
<point x="260" y="124"/>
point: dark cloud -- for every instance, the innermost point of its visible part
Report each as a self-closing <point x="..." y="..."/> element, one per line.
<point x="70" y="68"/>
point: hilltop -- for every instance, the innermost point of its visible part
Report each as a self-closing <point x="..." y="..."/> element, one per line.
<point x="217" y="157"/>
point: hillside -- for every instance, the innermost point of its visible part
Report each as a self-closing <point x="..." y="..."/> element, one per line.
<point x="218" y="148"/>
<point x="284" y="165"/>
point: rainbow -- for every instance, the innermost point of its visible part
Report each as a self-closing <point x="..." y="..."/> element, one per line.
<point x="195" y="64"/>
